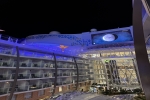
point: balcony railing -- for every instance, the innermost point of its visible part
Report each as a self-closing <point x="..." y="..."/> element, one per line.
<point x="20" y="76"/>
<point x="8" y="38"/>
<point x="33" y="87"/>
<point x="64" y="83"/>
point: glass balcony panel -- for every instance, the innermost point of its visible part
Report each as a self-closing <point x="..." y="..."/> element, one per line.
<point x="35" y="65"/>
<point x="3" y="90"/>
<point x="35" y="86"/>
<point x="45" y="85"/>
<point x="5" y="63"/>
<point x="79" y="60"/>
<point x="4" y="77"/>
<point x="63" y="58"/>
<point x="6" y="50"/>
<point x="66" y="74"/>
<point x="20" y="76"/>
<point x="59" y="83"/>
<point x="23" y="64"/>
<point x="36" y="75"/>
<point x="19" y="88"/>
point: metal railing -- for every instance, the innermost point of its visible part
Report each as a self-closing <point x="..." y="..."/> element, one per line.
<point x="8" y="38"/>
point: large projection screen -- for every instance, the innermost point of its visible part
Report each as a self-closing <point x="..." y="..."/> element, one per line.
<point x="112" y="37"/>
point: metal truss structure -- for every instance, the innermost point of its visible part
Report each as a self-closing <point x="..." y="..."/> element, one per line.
<point x="115" y="67"/>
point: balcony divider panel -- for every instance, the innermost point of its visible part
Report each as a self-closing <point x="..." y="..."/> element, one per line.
<point x="77" y="69"/>
<point x="16" y="75"/>
<point x="55" y="80"/>
<point x="140" y="48"/>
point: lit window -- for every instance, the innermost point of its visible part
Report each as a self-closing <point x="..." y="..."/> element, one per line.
<point x="60" y="89"/>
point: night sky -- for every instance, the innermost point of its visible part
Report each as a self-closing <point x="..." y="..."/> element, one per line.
<point x="20" y="18"/>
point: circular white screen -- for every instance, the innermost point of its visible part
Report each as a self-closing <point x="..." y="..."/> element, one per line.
<point x="109" y="37"/>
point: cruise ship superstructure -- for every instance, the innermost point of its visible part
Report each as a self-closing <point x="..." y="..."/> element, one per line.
<point x="41" y="73"/>
<point x="51" y="64"/>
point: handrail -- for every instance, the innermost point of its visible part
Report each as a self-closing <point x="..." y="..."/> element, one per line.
<point x="8" y="38"/>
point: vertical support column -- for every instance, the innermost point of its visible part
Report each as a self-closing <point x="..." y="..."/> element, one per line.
<point x="55" y="81"/>
<point x="137" y="72"/>
<point x="125" y="73"/>
<point x="117" y="73"/>
<point x="111" y="74"/>
<point x="77" y="73"/>
<point x="100" y="54"/>
<point x="106" y="74"/>
<point x="16" y="75"/>
<point x="140" y="48"/>
<point x="105" y="71"/>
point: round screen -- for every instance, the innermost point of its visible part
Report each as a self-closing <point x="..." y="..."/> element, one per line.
<point x="109" y="37"/>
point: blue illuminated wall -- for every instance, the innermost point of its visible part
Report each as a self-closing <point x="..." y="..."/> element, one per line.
<point x="120" y="36"/>
<point x="63" y="39"/>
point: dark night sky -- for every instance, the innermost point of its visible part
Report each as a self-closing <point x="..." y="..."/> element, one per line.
<point x="20" y="18"/>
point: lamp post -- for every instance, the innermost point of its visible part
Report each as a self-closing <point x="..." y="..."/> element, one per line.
<point x="140" y="48"/>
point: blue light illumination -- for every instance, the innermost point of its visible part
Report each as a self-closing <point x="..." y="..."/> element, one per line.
<point x="120" y="36"/>
<point x="73" y="51"/>
<point x="71" y="40"/>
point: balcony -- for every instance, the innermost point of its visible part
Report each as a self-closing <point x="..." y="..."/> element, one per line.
<point x="4" y="77"/>
<point x="47" y="84"/>
<point x="28" y="76"/>
<point x="62" y="58"/>
<point x="17" y="89"/>
<point x="63" y="83"/>
<point x="36" y="75"/>
<point x="35" y="86"/>
<point x="48" y="75"/>
<point x="7" y="90"/>
<point x="20" y="76"/>
<point x="20" y="88"/>
<point x="4" y="63"/>
<point x="4" y="91"/>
